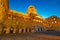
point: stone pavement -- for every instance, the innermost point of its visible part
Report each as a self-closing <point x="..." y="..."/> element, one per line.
<point x="29" y="36"/>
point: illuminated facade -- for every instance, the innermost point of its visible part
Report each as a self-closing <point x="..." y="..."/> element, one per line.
<point x="16" y="22"/>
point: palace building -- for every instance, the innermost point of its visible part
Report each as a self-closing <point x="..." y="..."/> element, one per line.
<point x="12" y="21"/>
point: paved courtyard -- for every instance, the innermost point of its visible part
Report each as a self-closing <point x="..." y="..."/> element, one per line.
<point x="29" y="36"/>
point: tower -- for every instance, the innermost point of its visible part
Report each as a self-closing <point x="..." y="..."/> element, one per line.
<point x="3" y="9"/>
<point x="31" y="9"/>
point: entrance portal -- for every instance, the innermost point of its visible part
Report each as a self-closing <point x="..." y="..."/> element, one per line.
<point x="38" y="28"/>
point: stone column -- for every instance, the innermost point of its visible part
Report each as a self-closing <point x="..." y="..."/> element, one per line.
<point x="7" y="30"/>
<point x="24" y="30"/>
<point x="14" y="31"/>
<point x="20" y="30"/>
<point x="27" y="29"/>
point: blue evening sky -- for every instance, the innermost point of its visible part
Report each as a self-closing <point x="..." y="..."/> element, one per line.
<point x="45" y="8"/>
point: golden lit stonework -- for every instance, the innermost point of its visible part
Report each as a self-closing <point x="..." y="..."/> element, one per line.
<point x="16" y="22"/>
<point x="31" y="9"/>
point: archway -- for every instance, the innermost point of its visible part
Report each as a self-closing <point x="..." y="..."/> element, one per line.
<point x="4" y="30"/>
<point x="38" y="28"/>
<point x="22" y="30"/>
<point x="11" y="30"/>
<point x="26" y="29"/>
<point x="29" y="29"/>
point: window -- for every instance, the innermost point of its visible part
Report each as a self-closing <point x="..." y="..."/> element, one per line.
<point x="0" y="3"/>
